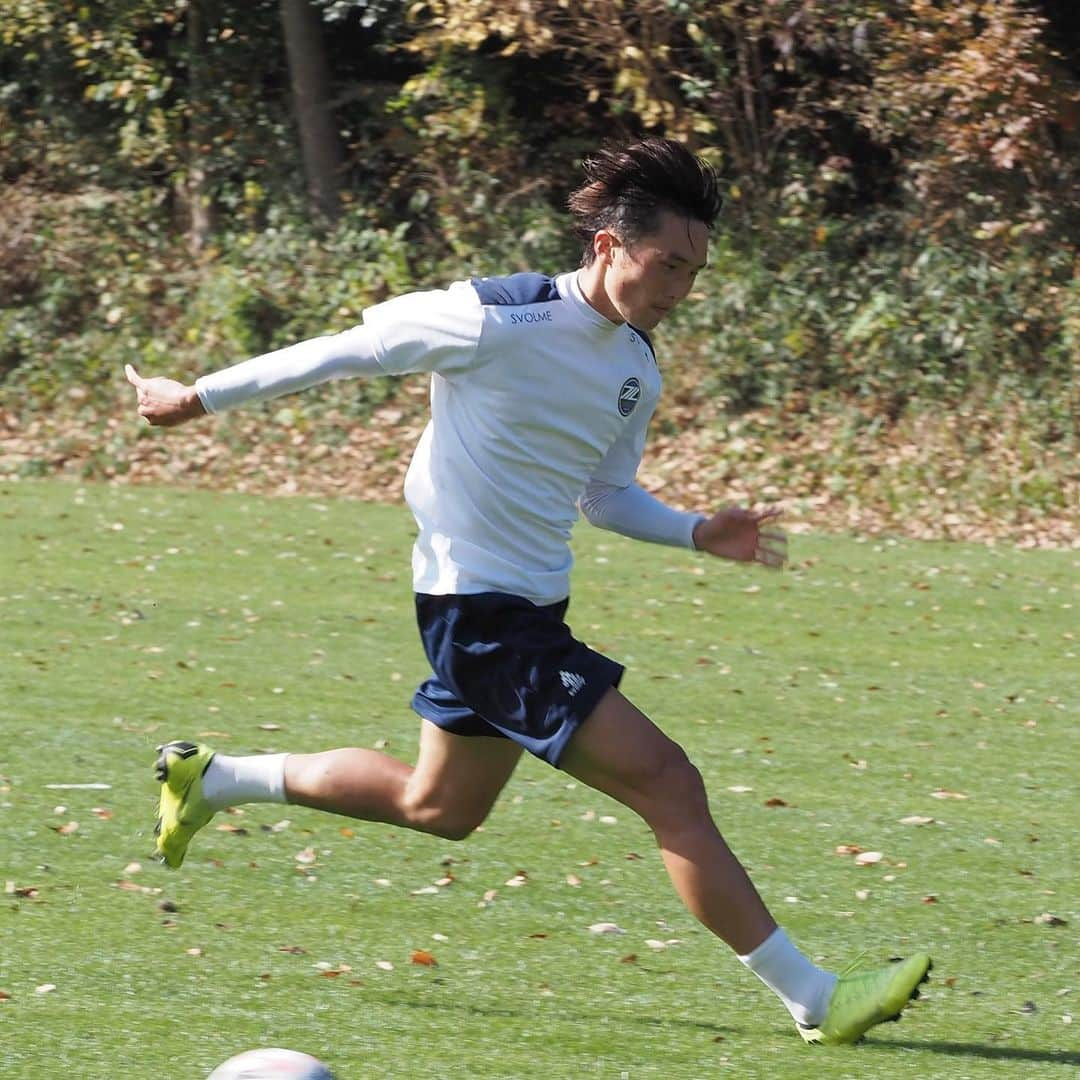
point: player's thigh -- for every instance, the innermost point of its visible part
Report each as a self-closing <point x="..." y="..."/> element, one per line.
<point x="618" y="750"/>
<point x="460" y="774"/>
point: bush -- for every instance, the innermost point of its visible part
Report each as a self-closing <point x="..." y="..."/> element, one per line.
<point x="897" y="322"/>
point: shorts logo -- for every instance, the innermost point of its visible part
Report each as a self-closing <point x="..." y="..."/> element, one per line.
<point x="629" y="396"/>
<point x="572" y="681"/>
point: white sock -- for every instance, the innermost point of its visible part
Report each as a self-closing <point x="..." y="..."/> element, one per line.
<point x="802" y="986"/>
<point x="257" y="778"/>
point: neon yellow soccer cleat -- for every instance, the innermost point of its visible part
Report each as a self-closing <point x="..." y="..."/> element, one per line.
<point x="183" y="811"/>
<point x="862" y="999"/>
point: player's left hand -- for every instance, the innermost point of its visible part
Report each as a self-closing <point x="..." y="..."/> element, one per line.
<point x="744" y="535"/>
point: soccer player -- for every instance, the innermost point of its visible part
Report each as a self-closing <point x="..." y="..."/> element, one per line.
<point x="541" y="392"/>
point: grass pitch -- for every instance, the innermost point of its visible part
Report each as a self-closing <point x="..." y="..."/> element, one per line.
<point x="888" y="732"/>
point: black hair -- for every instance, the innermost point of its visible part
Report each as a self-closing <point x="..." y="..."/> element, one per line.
<point x="627" y="187"/>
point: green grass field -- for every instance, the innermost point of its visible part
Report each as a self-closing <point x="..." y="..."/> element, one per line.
<point x="910" y="699"/>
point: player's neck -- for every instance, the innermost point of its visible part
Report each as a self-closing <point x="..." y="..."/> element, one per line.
<point x="593" y="287"/>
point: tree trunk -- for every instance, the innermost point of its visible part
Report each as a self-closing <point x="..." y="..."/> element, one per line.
<point x="320" y="143"/>
<point x="195" y="196"/>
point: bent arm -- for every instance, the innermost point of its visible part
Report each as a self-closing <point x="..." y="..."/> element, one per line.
<point x="633" y="512"/>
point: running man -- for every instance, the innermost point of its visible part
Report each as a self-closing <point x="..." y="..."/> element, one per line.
<point x="541" y="393"/>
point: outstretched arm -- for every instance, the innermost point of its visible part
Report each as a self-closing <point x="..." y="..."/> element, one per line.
<point x="166" y="402"/>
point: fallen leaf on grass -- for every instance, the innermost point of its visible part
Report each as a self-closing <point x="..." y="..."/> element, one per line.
<point x="868" y="858"/>
<point x="917" y="819"/>
<point x="45" y="988"/>
<point x="133" y="886"/>
<point x="775" y="801"/>
<point x="847" y="849"/>
<point x="333" y="972"/>
<point x="423" y="958"/>
<point x="606" y="928"/>
<point x="65" y="830"/>
<point x="4" y="995"/>
<point x="1046" y="919"/>
<point x="944" y="793"/>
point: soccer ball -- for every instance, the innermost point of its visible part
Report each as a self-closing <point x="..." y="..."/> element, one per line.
<point x="271" y="1063"/>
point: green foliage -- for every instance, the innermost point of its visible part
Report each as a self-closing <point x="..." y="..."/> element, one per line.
<point x="902" y="225"/>
<point x="113" y="287"/>
<point x="895" y="323"/>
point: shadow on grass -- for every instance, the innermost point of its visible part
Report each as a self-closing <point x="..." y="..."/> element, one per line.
<point x="981" y="1050"/>
<point x="517" y="1014"/>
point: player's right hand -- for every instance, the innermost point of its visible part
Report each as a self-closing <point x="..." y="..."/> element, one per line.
<point x="164" y="402"/>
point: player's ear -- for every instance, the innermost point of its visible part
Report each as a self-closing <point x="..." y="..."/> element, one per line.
<point x="605" y="243"/>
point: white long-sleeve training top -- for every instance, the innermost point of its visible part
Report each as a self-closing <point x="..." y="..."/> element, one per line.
<point x="539" y="404"/>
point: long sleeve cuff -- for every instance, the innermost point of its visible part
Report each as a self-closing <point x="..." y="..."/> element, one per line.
<point x="633" y="512"/>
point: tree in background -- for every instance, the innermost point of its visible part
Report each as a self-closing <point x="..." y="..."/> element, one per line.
<point x="309" y="73"/>
<point x="903" y="177"/>
<point x="947" y="99"/>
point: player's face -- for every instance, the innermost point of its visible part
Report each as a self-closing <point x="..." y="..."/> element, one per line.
<point x="648" y="278"/>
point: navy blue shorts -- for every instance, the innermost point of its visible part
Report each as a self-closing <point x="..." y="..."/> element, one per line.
<point x="507" y="668"/>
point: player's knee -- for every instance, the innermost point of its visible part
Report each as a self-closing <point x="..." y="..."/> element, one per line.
<point x="449" y="827"/>
<point x="674" y="786"/>
<point x="444" y="819"/>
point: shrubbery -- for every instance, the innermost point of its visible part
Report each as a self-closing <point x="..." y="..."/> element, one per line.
<point x="898" y="259"/>
<point x="900" y="322"/>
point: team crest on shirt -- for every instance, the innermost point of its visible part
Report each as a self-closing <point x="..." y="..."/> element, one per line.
<point x="629" y="396"/>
